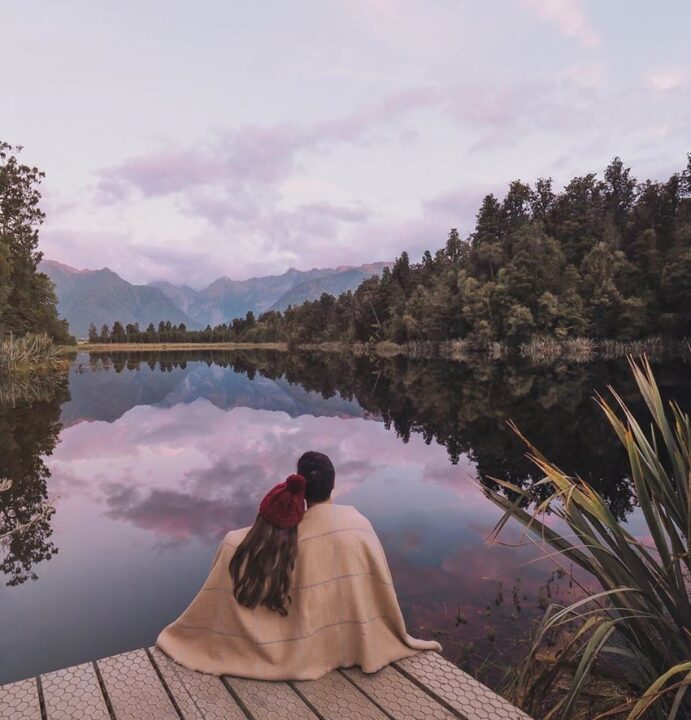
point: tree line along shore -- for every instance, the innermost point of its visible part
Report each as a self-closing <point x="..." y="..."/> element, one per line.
<point x="537" y="349"/>
<point x="602" y="260"/>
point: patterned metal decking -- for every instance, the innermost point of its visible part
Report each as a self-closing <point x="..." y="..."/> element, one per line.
<point x="147" y="685"/>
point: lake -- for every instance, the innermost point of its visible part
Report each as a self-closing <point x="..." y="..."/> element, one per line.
<point x="149" y="459"/>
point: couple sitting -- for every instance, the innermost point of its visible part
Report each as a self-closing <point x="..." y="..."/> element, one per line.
<point x="305" y="590"/>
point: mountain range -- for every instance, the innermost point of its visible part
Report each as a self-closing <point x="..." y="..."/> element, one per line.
<point x="107" y="395"/>
<point x="102" y="296"/>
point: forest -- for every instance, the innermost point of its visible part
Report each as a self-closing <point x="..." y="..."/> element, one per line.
<point x="603" y="258"/>
<point x="27" y="298"/>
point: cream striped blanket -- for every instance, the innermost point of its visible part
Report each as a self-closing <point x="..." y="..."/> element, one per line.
<point x="343" y="612"/>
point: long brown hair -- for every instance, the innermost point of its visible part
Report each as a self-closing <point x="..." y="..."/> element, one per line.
<point x="262" y="565"/>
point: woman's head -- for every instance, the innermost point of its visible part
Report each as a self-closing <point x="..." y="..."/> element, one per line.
<point x="264" y="560"/>
<point x="319" y="473"/>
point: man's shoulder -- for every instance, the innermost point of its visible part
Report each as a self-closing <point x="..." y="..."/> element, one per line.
<point x="337" y="520"/>
<point x="349" y="512"/>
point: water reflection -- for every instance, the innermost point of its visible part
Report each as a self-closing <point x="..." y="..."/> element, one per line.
<point x="465" y="408"/>
<point x="161" y="454"/>
<point x="29" y="427"/>
<point x="462" y="406"/>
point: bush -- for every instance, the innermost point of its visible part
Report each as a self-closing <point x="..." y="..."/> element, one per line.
<point x="643" y="612"/>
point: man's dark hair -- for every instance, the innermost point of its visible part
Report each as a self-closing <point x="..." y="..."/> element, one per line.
<point x="319" y="472"/>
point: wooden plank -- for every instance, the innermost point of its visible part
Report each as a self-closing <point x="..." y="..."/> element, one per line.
<point x="334" y="698"/>
<point x="74" y="694"/>
<point x="19" y="700"/>
<point x="198" y="695"/>
<point x="134" y="688"/>
<point x="400" y="697"/>
<point x="463" y="693"/>
<point x="269" y="700"/>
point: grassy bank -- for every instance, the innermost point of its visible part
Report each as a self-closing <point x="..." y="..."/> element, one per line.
<point x="27" y="353"/>
<point x="160" y="347"/>
<point x="538" y="350"/>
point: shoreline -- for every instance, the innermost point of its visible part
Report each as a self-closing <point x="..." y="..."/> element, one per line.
<point x="143" y="347"/>
<point x="536" y="350"/>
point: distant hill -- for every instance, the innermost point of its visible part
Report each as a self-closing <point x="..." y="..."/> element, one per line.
<point x="225" y="299"/>
<point x="182" y="295"/>
<point x="106" y="396"/>
<point x="102" y="296"/>
<point x="335" y="284"/>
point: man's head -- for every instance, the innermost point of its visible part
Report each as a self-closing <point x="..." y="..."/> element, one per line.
<point x="319" y="472"/>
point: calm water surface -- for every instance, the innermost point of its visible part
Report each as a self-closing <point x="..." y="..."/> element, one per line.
<point x="156" y="457"/>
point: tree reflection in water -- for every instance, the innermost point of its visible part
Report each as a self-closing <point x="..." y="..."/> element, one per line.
<point x="29" y="428"/>
<point x="463" y="406"/>
<point x="479" y="601"/>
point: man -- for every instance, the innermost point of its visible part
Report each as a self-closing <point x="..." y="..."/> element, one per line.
<point x="339" y="607"/>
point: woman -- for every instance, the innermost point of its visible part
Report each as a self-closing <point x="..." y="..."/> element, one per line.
<point x="300" y="593"/>
<point x="263" y="562"/>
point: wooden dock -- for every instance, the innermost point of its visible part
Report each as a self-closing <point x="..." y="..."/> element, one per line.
<point x="147" y="685"/>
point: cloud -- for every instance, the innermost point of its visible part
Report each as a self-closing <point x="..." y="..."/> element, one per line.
<point x="504" y="113"/>
<point x="462" y="203"/>
<point x="667" y="79"/>
<point x="160" y="173"/>
<point x="568" y="16"/>
<point x="252" y="155"/>
<point x="256" y="199"/>
<point x="346" y="214"/>
<point x="194" y="470"/>
<point x="86" y="249"/>
<point x="176" y="515"/>
<point x="230" y="190"/>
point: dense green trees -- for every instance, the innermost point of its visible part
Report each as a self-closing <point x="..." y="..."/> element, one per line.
<point x="166" y="332"/>
<point x="27" y="300"/>
<point x="606" y="258"/>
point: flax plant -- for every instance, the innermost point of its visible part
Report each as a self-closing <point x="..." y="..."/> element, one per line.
<point x="26" y="352"/>
<point x="640" y="619"/>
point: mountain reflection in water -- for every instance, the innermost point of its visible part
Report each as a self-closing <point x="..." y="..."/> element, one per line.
<point x="155" y="457"/>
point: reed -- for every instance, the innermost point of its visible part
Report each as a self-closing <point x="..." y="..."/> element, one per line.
<point x="26" y="352"/>
<point x="29" y="388"/>
<point x="642" y="613"/>
<point x="654" y="347"/>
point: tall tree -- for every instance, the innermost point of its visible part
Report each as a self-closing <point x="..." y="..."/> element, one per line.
<point x="27" y="299"/>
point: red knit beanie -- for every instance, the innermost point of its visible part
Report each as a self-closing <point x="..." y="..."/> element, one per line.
<point x="284" y="505"/>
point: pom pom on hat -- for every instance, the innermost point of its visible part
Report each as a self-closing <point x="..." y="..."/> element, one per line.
<point x="296" y="484"/>
<point x="284" y="505"/>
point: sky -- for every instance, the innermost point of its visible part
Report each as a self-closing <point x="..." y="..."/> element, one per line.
<point x="185" y="141"/>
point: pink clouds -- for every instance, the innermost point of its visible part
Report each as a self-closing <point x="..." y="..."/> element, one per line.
<point x="461" y="204"/>
<point x="232" y="187"/>
<point x="258" y="197"/>
<point x="665" y="80"/>
<point x="160" y="173"/>
<point x="568" y="16"/>
<point x="154" y="491"/>
<point x="328" y="210"/>
<point x="251" y="154"/>
<point x="237" y="171"/>
<point x="179" y="471"/>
